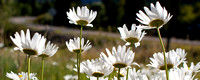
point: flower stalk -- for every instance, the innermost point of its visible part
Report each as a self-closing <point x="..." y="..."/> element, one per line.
<point x="29" y="66"/>
<point x="118" y="74"/>
<point x="163" y="48"/>
<point x="42" y="74"/>
<point x="79" y="54"/>
<point x="131" y="48"/>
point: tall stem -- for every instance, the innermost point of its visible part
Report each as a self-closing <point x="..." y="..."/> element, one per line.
<point x="42" y="74"/>
<point x="163" y="47"/>
<point x="127" y="73"/>
<point x="78" y="65"/>
<point x="80" y="53"/>
<point x="131" y="48"/>
<point x="118" y="74"/>
<point x="29" y="65"/>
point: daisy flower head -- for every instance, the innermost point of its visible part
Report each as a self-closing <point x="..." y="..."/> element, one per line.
<point x="27" y="45"/>
<point x="74" y="45"/>
<point x="173" y="59"/>
<point x="49" y="50"/>
<point x="133" y="36"/>
<point x="192" y="68"/>
<point x="21" y="76"/>
<point x="83" y="16"/>
<point x="96" y="68"/>
<point x="119" y="58"/>
<point x="154" y="18"/>
<point x="136" y="75"/>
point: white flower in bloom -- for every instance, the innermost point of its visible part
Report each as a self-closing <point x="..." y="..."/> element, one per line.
<point x="173" y="59"/>
<point x="27" y="45"/>
<point x="49" y="50"/>
<point x="96" y="68"/>
<point x="174" y="74"/>
<point x="192" y="69"/>
<point x="83" y="16"/>
<point x="133" y="75"/>
<point x="71" y="77"/>
<point x="119" y="58"/>
<point x="100" y="78"/>
<point x="133" y="36"/>
<point x="156" y="17"/>
<point x="21" y="76"/>
<point x="74" y="45"/>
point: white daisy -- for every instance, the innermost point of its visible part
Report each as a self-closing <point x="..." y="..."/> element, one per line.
<point x="21" y="76"/>
<point x="173" y="59"/>
<point x="83" y="16"/>
<point x="156" y="17"/>
<point x="96" y="68"/>
<point x="49" y="50"/>
<point x="74" y="45"/>
<point x="192" y="68"/>
<point x="71" y="77"/>
<point x="175" y="74"/>
<point x="134" y="36"/>
<point x="27" y="45"/>
<point x="100" y="78"/>
<point x="133" y="75"/>
<point x="119" y="58"/>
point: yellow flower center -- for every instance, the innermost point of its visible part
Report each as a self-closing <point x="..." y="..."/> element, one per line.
<point x="169" y="66"/>
<point x="119" y="65"/>
<point x="97" y="74"/>
<point x="82" y="22"/>
<point x="156" y="23"/>
<point x="77" y="50"/>
<point x="30" y="51"/>
<point x="20" y="76"/>
<point x="132" y="40"/>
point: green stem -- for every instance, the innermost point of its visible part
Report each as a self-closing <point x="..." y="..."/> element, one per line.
<point x="163" y="47"/>
<point x="118" y="74"/>
<point x="78" y="65"/>
<point x="109" y="77"/>
<point x="131" y="48"/>
<point x="42" y="74"/>
<point x="80" y="52"/>
<point x="29" y="64"/>
<point x="127" y="74"/>
<point x="97" y="78"/>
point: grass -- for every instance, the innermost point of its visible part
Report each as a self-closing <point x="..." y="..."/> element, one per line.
<point x="16" y="61"/>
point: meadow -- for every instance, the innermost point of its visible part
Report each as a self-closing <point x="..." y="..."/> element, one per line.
<point x="63" y="62"/>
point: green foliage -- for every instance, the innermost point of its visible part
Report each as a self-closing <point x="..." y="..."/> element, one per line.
<point x="189" y="13"/>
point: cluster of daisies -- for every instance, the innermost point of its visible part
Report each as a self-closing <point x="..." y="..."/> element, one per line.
<point x="37" y="46"/>
<point x="115" y="64"/>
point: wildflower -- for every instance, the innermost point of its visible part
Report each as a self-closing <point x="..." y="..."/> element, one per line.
<point x="173" y="59"/>
<point x="49" y="50"/>
<point x="21" y="76"/>
<point x="96" y="68"/>
<point x="74" y="45"/>
<point x="133" y="75"/>
<point x="71" y="77"/>
<point x="154" y="18"/>
<point x="27" y="45"/>
<point x="83" y="16"/>
<point x="133" y="36"/>
<point x="119" y="58"/>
